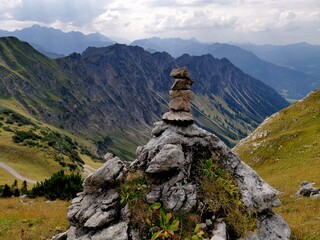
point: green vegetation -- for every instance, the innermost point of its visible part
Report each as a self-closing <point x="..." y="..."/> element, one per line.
<point x="32" y="218"/>
<point x="222" y="197"/>
<point x="60" y="185"/>
<point x="285" y="152"/>
<point x="218" y="191"/>
<point x="37" y="150"/>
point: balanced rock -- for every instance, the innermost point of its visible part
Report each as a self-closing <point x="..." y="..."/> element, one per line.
<point x="180" y="95"/>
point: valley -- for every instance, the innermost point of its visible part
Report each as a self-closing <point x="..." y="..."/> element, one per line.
<point x="66" y="113"/>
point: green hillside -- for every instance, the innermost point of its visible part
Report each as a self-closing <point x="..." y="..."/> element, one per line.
<point x="37" y="150"/>
<point x="285" y="150"/>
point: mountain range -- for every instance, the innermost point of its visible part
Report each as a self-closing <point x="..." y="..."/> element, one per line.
<point x="56" y="43"/>
<point x="112" y="95"/>
<point x="302" y="57"/>
<point x="292" y="70"/>
<point x="289" y="82"/>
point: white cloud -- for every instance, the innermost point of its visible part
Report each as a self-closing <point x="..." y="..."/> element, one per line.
<point x="207" y="20"/>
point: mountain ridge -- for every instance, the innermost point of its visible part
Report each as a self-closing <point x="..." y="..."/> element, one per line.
<point x="115" y="93"/>
<point x="289" y="83"/>
<point x="49" y="39"/>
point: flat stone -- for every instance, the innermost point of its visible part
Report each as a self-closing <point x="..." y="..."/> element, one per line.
<point x="178" y="117"/>
<point x="180" y="72"/>
<point x="185" y="94"/>
<point x="181" y="84"/>
<point x="178" y="104"/>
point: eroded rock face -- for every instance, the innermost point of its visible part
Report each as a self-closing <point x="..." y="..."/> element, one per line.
<point x="168" y="160"/>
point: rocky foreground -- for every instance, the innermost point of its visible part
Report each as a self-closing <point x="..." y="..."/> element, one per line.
<point x="169" y="163"/>
<point x="184" y="184"/>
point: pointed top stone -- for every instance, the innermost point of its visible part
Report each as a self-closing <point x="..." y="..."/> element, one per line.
<point x="181" y="72"/>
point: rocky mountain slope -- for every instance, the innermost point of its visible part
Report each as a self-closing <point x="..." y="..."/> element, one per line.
<point x="288" y="82"/>
<point x="112" y="95"/>
<point x="285" y="151"/>
<point x="48" y="40"/>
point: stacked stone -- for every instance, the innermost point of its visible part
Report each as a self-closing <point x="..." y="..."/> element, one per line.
<point x="180" y="94"/>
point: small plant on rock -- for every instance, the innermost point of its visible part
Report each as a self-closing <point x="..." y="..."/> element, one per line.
<point x="222" y="197"/>
<point x="162" y="225"/>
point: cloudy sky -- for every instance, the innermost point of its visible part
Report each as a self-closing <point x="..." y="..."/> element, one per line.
<point x="255" y="21"/>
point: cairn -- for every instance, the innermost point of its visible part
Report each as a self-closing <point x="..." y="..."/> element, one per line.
<point x="180" y="95"/>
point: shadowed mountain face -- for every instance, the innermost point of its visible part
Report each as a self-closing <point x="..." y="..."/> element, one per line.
<point x="112" y="95"/>
<point x="288" y="82"/>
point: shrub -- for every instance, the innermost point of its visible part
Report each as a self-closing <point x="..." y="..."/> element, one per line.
<point x="6" y="191"/>
<point x="59" y="185"/>
<point x="20" y="136"/>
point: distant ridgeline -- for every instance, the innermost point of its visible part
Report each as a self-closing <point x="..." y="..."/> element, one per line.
<point x="112" y="95"/>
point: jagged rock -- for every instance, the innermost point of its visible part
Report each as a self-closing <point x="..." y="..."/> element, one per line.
<point x="170" y="157"/>
<point x="272" y="226"/>
<point x="60" y="236"/>
<point x="108" y="156"/>
<point x="109" y="174"/>
<point x="180" y="197"/>
<point x="220" y="230"/>
<point x="94" y="210"/>
<point x="256" y="194"/>
<point x="115" y="232"/>
<point x="308" y="190"/>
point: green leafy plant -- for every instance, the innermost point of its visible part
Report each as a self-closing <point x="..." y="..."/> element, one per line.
<point x="222" y="197"/>
<point x="198" y="234"/>
<point x="162" y="224"/>
<point x="134" y="189"/>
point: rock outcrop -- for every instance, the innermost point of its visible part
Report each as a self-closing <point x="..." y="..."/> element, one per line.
<point x="307" y="189"/>
<point x="184" y="175"/>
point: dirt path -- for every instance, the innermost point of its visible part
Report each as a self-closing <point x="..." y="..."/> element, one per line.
<point x="15" y="173"/>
